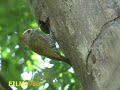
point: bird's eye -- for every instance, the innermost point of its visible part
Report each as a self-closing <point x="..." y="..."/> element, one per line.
<point x="28" y="31"/>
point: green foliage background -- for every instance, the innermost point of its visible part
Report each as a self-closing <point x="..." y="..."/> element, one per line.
<point x="15" y="18"/>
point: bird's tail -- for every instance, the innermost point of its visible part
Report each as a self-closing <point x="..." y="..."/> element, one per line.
<point x="64" y="59"/>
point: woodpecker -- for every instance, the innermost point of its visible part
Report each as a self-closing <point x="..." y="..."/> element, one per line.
<point x="42" y="44"/>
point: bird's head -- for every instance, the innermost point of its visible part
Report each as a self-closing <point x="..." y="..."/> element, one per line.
<point x="26" y="35"/>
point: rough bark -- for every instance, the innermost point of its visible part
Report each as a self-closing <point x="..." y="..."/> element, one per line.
<point x="89" y="33"/>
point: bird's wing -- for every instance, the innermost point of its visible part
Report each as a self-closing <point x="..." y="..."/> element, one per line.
<point x="47" y="39"/>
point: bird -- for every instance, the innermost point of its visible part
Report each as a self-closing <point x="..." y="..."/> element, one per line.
<point x="42" y="44"/>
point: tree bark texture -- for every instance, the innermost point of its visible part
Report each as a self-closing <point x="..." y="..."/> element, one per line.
<point x="89" y="33"/>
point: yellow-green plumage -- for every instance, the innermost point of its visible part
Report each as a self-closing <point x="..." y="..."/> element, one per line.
<point x="42" y="45"/>
<point x="41" y="48"/>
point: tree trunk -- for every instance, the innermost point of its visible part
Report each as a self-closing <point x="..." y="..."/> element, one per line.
<point x="89" y="33"/>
